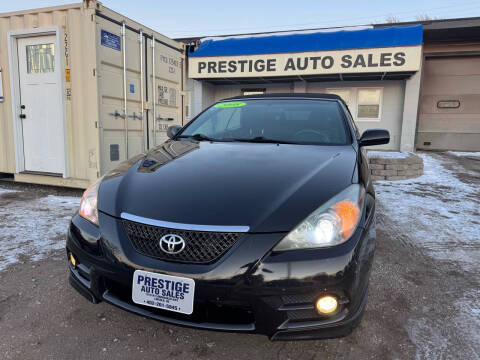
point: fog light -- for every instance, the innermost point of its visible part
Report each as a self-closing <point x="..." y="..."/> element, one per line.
<point x="327" y="304"/>
<point x="73" y="261"/>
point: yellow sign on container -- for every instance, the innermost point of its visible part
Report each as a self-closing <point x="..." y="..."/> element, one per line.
<point x="67" y="75"/>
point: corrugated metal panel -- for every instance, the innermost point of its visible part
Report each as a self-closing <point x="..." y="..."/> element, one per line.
<point x="83" y="112"/>
<point x="168" y="91"/>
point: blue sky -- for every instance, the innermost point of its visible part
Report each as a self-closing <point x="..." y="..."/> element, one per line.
<point x="183" y="18"/>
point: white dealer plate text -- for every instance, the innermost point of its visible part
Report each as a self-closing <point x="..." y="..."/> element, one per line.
<point x="165" y="292"/>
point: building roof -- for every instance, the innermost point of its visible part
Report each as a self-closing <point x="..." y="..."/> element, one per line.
<point x="434" y="30"/>
<point x="312" y="41"/>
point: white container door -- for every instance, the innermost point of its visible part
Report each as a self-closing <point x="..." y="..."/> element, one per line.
<point x="40" y="99"/>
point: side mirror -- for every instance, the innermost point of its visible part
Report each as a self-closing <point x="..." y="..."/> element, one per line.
<point x="173" y="130"/>
<point x="374" y="137"/>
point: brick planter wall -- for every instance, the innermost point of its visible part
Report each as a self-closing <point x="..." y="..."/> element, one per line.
<point x="386" y="165"/>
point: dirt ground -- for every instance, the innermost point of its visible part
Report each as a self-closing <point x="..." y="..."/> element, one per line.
<point x="423" y="303"/>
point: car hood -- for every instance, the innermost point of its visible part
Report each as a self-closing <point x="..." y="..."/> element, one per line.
<point x="267" y="187"/>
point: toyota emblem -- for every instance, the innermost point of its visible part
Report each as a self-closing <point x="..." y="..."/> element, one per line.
<point x="172" y="244"/>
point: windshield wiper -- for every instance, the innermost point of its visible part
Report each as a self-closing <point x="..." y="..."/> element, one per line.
<point x="258" y="139"/>
<point x="198" y="137"/>
<point x="262" y="139"/>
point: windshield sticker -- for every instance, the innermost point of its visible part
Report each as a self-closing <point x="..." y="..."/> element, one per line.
<point x="231" y="104"/>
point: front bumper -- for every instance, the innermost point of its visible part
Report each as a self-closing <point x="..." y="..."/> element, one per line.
<point x="273" y="295"/>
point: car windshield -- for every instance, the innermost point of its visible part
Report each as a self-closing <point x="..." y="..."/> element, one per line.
<point x="296" y="121"/>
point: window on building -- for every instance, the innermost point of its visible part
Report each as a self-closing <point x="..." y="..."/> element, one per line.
<point x="368" y="103"/>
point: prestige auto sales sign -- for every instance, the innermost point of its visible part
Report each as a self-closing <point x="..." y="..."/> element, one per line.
<point x="390" y="59"/>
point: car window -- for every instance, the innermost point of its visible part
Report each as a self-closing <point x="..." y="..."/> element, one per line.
<point x="221" y="121"/>
<point x="299" y="121"/>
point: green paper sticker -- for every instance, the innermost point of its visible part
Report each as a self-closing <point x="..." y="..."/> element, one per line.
<point x="231" y="104"/>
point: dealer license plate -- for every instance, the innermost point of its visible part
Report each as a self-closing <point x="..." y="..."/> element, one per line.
<point x="165" y="292"/>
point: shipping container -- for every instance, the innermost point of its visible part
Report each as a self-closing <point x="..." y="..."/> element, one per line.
<point x="83" y="88"/>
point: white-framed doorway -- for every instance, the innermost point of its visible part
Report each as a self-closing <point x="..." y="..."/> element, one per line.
<point x="38" y="102"/>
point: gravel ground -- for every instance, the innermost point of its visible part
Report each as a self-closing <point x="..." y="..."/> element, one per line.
<point x="424" y="292"/>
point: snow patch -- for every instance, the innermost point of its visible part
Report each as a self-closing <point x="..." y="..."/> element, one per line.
<point x="6" y="191"/>
<point x="439" y="215"/>
<point x="467" y="319"/>
<point x="464" y="154"/>
<point x="429" y="340"/>
<point x="31" y="229"/>
<point x="389" y="154"/>
<point x="439" y="212"/>
<point x="433" y="337"/>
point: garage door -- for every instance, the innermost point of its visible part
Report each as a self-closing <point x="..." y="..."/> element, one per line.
<point x="449" y="117"/>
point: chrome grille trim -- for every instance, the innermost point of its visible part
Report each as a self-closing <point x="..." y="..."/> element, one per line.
<point x="182" y="226"/>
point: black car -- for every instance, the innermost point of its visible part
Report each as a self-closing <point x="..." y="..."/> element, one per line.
<point x="257" y="216"/>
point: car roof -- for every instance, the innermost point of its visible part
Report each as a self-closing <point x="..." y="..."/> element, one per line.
<point x="286" y="95"/>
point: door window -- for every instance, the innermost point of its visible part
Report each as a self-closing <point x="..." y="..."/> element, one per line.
<point x="40" y="58"/>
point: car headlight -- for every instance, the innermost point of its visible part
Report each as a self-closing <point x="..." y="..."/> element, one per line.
<point x="331" y="224"/>
<point x="88" y="204"/>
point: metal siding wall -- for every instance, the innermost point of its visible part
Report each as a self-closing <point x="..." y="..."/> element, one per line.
<point x="168" y="74"/>
<point x="80" y="108"/>
<point x="83" y="140"/>
<point x="111" y="96"/>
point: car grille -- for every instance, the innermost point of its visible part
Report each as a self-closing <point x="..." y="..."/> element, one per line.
<point x="201" y="247"/>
